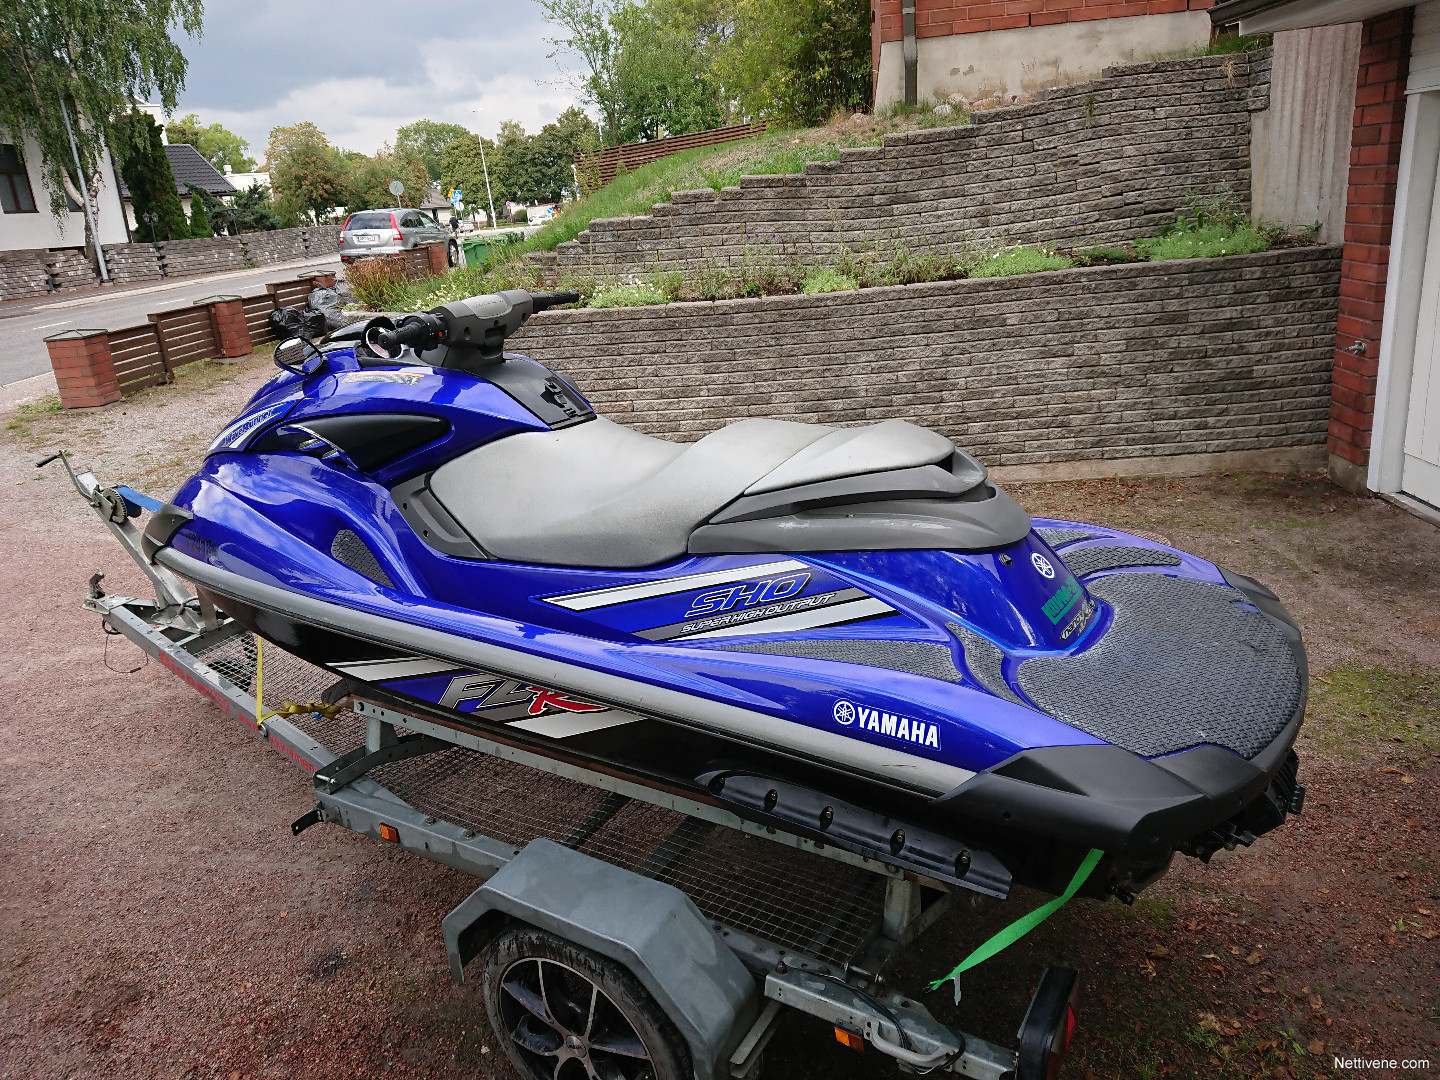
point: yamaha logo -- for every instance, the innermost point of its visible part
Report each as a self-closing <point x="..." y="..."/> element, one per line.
<point x="1042" y="564"/>
<point x="844" y="713"/>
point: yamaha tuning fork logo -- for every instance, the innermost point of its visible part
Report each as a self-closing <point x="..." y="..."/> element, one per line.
<point x="848" y="714"/>
<point x="1042" y="565"/>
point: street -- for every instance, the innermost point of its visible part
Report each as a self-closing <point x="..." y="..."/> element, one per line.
<point x="24" y="324"/>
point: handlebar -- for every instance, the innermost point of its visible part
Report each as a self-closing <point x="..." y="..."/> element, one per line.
<point x="473" y="331"/>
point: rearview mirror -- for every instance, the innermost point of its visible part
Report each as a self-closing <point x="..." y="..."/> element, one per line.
<point x="299" y="356"/>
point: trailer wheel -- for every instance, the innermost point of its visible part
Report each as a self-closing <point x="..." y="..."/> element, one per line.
<point x="452" y="253"/>
<point x="563" y="1012"/>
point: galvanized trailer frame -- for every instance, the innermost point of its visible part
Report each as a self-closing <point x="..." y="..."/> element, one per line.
<point x="816" y="926"/>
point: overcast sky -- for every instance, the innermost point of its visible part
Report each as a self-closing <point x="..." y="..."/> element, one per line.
<point x="359" y="69"/>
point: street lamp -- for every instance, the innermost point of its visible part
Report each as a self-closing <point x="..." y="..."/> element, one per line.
<point x="150" y="218"/>
<point x="486" y="170"/>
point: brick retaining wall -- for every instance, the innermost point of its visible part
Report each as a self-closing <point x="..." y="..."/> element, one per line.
<point x="1199" y="356"/>
<point x="1098" y="162"/>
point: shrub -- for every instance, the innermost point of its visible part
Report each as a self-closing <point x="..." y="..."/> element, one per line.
<point x="1019" y="260"/>
<point x="380" y="284"/>
<point x="823" y="279"/>
<point x="1206" y="242"/>
<point x="628" y="296"/>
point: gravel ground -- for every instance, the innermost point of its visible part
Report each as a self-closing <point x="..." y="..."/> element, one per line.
<point x="159" y="920"/>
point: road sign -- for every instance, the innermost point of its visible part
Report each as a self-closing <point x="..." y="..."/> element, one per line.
<point x="397" y="188"/>
<point x="455" y="196"/>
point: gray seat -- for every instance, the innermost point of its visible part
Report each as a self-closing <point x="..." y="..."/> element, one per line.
<point x="599" y="494"/>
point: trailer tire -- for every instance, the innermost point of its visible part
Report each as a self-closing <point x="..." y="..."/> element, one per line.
<point x="558" y="1008"/>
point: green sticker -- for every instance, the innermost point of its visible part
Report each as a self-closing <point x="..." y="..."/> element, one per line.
<point x="1060" y="603"/>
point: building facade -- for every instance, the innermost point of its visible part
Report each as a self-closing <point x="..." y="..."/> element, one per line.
<point x="25" y="218"/>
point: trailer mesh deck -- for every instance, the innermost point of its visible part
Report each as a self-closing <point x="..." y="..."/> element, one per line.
<point x="794" y="899"/>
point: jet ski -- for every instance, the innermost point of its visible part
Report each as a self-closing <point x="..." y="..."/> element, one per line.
<point x="848" y="633"/>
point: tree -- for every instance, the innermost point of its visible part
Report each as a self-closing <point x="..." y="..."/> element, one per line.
<point x="86" y="61"/>
<point x="199" y="221"/>
<point x="461" y="167"/>
<point x="146" y="171"/>
<point x="428" y="138"/>
<point x="307" y="174"/>
<point x="585" y="29"/>
<point x="370" y="180"/>
<point x="254" y="212"/>
<point x="796" y="62"/>
<point x="661" y="76"/>
<point x="216" y="144"/>
<point x="554" y="150"/>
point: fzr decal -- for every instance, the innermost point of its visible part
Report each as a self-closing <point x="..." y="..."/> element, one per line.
<point x="489" y="692"/>
<point x="888" y="724"/>
<point x="746" y="594"/>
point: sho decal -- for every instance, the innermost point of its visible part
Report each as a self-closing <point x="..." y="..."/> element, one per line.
<point x="1042" y="565"/>
<point x="890" y="725"/>
<point x="747" y="594"/>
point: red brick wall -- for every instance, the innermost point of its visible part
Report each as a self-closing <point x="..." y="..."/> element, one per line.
<point x="938" y="18"/>
<point x="1369" y="214"/>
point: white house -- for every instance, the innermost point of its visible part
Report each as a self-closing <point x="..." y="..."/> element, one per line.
<point x="25" y="218"/>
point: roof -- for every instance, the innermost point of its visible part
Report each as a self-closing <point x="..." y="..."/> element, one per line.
<point x="190" y="166"/>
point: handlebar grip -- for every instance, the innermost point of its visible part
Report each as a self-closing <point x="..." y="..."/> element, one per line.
<point x="411" y="333"/>
<point x="541" y="301"/>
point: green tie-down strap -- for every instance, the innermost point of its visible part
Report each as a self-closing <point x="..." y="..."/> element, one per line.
<point x="1023" y="925"/>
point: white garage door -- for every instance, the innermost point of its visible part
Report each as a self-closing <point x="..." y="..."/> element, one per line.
<point x="1421" y="474"/>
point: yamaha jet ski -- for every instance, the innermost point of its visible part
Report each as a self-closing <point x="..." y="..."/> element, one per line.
<point x="850" y="633"/>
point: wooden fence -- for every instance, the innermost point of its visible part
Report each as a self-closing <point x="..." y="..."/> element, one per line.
<point x="148" y="354"/>
<point x="598" y="168"/>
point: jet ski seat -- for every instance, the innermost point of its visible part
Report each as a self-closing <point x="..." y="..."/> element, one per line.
<point x="599" y="494"/>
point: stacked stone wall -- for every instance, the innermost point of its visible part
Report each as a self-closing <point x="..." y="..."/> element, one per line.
<point x="133" y="262"/>
<point x="1099" y="162"/>
<point x="282" y="245"/>
<point x="69" y="269"/>
<point x="23" y="273"/>
<point x="202" y="256"/>
<point x="1140" y="360"/>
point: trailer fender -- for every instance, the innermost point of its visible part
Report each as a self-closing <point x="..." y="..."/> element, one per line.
<point x="653" y="929"/>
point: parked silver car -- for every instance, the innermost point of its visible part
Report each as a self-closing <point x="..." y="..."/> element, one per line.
<point x="392" y="231"/>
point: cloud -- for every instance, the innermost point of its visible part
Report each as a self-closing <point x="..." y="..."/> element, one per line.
<point x="359" y="70"/>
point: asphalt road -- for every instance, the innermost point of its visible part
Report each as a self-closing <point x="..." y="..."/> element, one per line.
<point x="25" y="325"/>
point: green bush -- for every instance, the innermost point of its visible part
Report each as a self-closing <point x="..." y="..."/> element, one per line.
<point x="1205" y="242"/>
<point x="1019" y="261"/>
<point x="824" y="279"/>
<point x="380" y="284"/>
<point x="627" y="296"/>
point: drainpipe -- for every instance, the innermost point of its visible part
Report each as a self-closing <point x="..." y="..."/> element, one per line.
<point x="911" y="52"/>
<point x="84" y="192"/>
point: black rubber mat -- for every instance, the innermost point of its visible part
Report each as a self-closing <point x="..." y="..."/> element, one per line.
<point x="983" y="657"/>
<point x="349" y="549"/>
<point x="1091" y="560"/>
<point x="1056" y="537"/>
<point x="1181" y="665"/>
<point x="916" y="657"/>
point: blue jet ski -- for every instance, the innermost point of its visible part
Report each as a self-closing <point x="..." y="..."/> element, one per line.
<point x="850" y="633"/>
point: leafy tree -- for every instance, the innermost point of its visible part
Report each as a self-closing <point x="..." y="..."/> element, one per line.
<point x="554" y="149"/>
<point x="254" y="212"/>
<point x="86" y="61"/>
<point x="796" y="62"/>
<point x="584" y="28"/>
<point x="146" y="171"/>
<point x="218" y="216"/>
<point x="428" y="138"/>
<point x="461" y="167"/>
<point x="370" y="180"/>
<point x="661" y="76"/>
<point x="307" y="174"/>
<point x="199" y="222"/>
<point x="515" y="171"/>
<point x="216" y="144"/>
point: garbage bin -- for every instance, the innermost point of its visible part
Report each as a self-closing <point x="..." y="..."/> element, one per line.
<point x="478" y="249"/>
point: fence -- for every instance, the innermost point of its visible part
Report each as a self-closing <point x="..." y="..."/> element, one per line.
<point x="599" y="167"/>
<point x="97" y="367"/>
